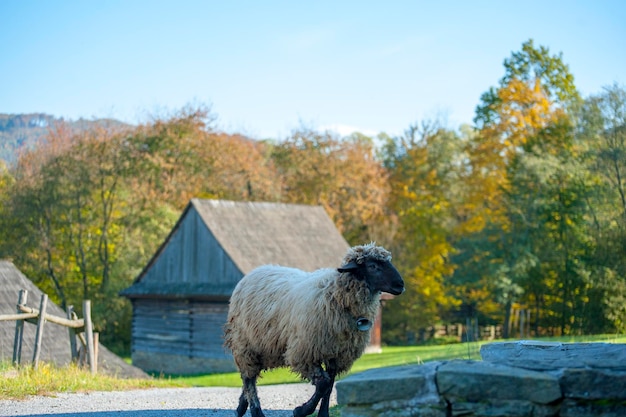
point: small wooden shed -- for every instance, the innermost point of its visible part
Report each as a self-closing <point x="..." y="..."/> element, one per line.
<point x="180" y="299"/>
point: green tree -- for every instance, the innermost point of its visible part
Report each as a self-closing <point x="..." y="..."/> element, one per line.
<point x="525" y="119"/>
<point x="65" y="217"/>
<point x="424" y="172"/>
<point x="554" y="215"/>
<point x="602" y="136"/>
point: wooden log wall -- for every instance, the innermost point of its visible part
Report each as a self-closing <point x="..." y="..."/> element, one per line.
<point x="179" y="327"/>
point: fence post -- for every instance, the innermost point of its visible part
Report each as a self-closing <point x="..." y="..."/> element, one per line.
<point x="19" y="330"/>
<point x="476" y="331"/>
<point x="96" y="343"/>
<point x="39" y="335"/>
<point x="468" y="329"/>
<point x="73" y="350"/>
<point x="89" y="336"/>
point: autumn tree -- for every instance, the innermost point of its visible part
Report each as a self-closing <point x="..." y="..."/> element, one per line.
<point x="64" y="215"/>
<point x="425" y="168"/>
<point x="244" y="170"/>
<point x="90" y="207"/>
<point x="183" y="157"/>
<point x="171" y="156"/>
<point x="342" y="175"/>
<point x="6" y="183"/>
<point x="526" y="117"/>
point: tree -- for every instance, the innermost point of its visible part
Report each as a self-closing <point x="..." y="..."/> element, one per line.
<point x="6" y="183"/>
<point x="555" y="190"/>
<point x="525" y="119"/>
<point x="602" y="136"/>
<point x="89" y="208"/>
<point x="182" y="157"/>
<point x="531" y="66"/>
<point x="603" y="130"/>
<point x="72" y="211"/>
<point x="424" y="172"/>
<point x="342" y="175"/>
<point x="66" y="216"/>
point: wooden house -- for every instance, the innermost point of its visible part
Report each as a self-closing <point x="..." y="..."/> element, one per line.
<point x="55" y="347"/>
<point x="180" y="299"/>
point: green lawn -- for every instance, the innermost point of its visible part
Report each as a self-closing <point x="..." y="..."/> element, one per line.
<point x="390" y="356"/>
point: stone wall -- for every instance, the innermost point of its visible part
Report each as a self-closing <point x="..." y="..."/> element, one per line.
<point x="514" y="379"/>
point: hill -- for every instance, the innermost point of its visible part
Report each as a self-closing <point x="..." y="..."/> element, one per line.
<point x="19" y="131"/>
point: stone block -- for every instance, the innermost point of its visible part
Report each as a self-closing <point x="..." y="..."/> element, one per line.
<point x="574" y="408"/>
<point x="593" y="384"/>
<point x="395" y="410"/>
<point x="554" y="355"/>
<point x="503" y="408"/>
<point x="475" y="381"/>
<point x="388" y="384"/>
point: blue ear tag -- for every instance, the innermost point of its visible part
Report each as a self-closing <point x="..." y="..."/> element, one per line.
<point x="363" y="324"/>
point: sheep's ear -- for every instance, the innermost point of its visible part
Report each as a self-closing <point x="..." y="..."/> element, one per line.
<point x="350" y="266"/>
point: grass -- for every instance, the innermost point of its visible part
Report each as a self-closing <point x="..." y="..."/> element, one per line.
<point x="18" y="383"/>
<point x="390" y="356"/>
<point x="47" y="379"/>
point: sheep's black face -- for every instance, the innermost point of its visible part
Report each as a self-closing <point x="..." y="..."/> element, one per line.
<point x="381" y="276"/>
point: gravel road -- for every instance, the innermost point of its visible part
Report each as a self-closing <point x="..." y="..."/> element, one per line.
<point x="276" y="400"/>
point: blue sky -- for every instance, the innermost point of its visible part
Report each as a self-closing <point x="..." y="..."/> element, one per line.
<point x="266" y="67"/>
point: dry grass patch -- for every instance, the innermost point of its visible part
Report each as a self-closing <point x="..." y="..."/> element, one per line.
<point x="47" y="379"/>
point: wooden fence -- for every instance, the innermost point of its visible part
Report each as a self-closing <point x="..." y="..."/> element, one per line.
<point x="87" y="354"/>
<point x="519" y="327"/>
<point x="468" y="332"/>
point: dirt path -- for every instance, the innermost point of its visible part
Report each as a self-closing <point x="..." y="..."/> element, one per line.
<point x="276" y="400"/>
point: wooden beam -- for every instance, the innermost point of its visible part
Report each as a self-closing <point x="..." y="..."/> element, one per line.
<point x="72" y="332"/>
<point x="39" y="334"/>
<point x="76" y="324"/>
<point x="19" y="316"/>
<point x="89" y="336"/>
<point x="96" y="343"/>
<point x="19" y="330"/>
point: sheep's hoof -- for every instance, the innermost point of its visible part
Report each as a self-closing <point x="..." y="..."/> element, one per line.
<point x="243" y="406"/>
<point x="256" y="412"/>
<point x="299" y="412"/>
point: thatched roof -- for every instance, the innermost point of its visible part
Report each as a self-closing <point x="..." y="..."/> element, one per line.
<point x="255" y="234"/>
<point x="56" y="343"/>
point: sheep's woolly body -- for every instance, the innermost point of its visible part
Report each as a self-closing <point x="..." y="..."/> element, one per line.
<point x="286" y="317"/>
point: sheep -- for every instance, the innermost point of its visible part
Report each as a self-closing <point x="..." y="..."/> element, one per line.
<point x="316" y="323"/>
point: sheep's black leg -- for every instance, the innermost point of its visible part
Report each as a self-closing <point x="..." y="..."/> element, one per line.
<point x="250" y="397"/>
<point x="322" y="383"/>
<point x="331" y="368"/>
<point x="243" y="405"/>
